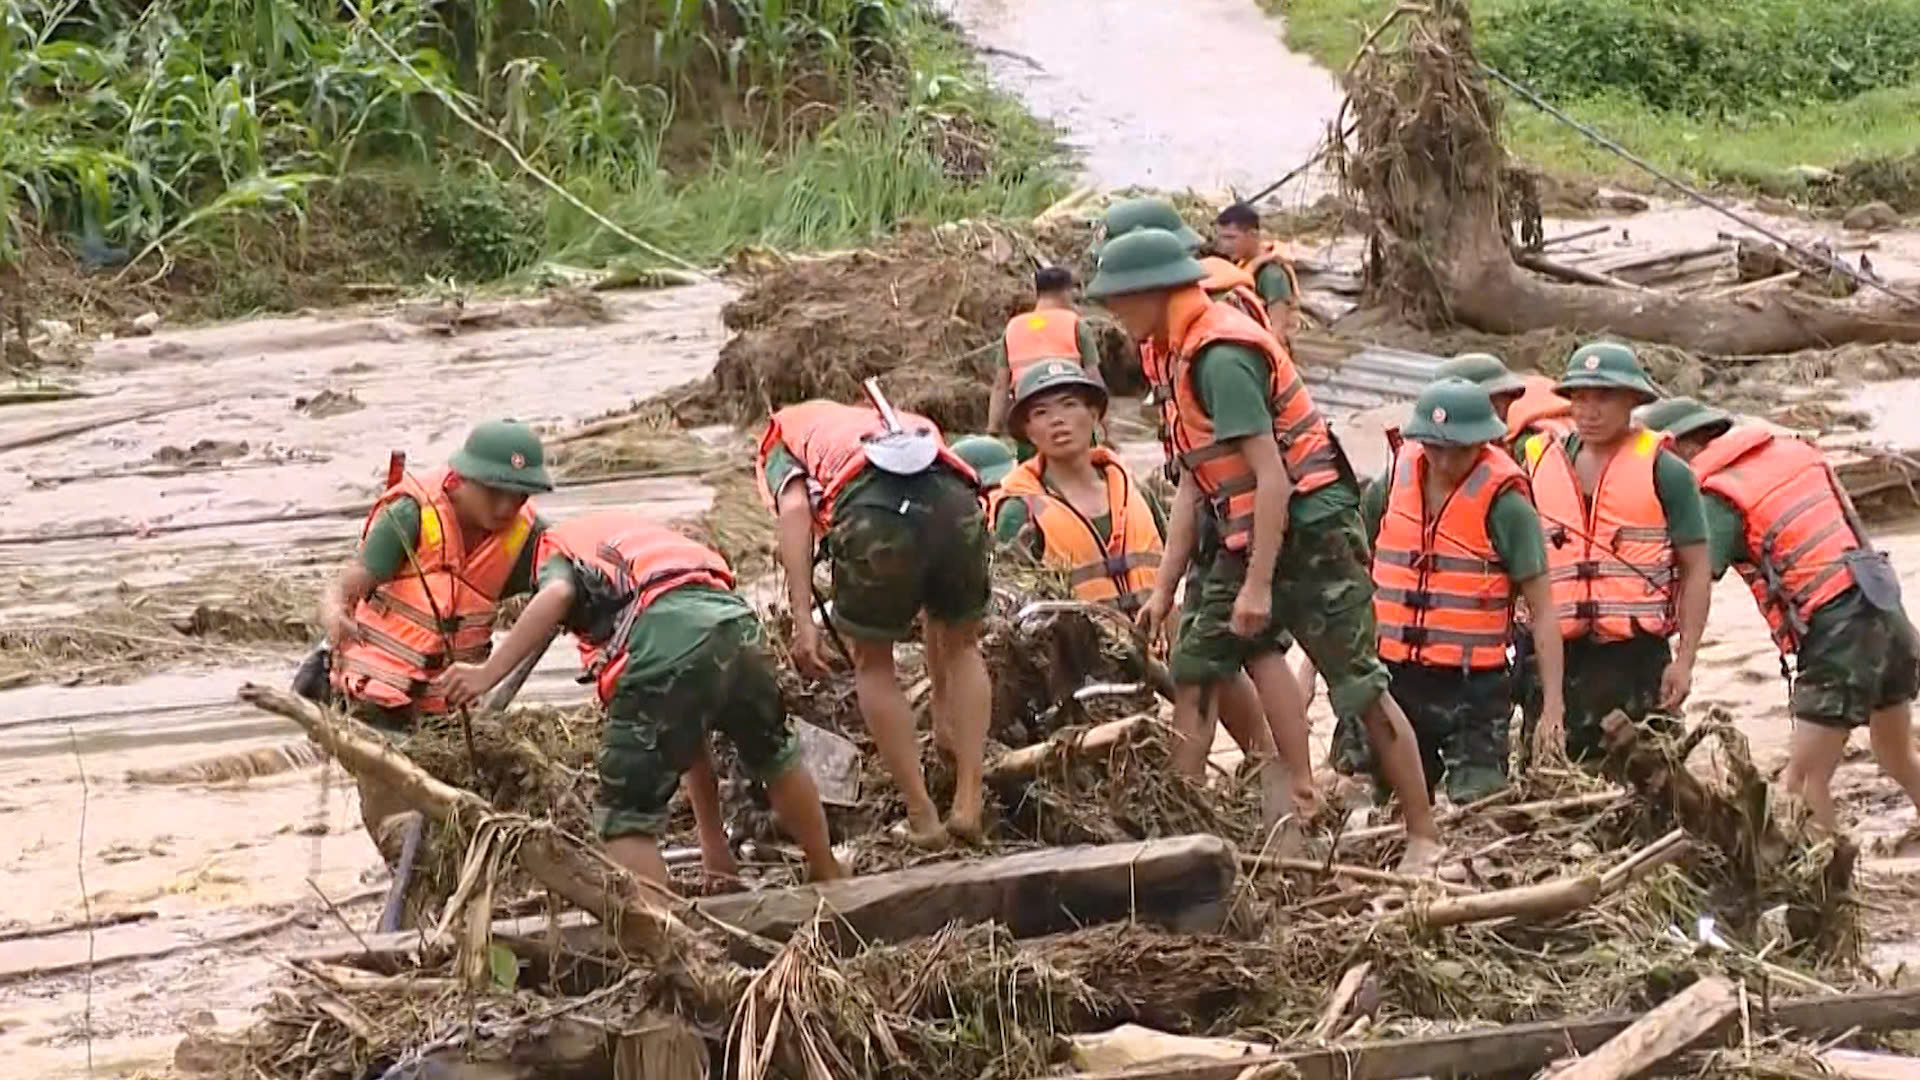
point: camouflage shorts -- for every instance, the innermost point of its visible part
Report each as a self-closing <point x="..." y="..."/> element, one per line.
<point x="1208" y="665"/>
<point x="1854" y="661"/>
<point x="1601" y="676"/>
<point x="1322" y="596"/>
<point x="1460" y="719"/>
<point x="909" y="544"/>
<point x="656" y="727"/>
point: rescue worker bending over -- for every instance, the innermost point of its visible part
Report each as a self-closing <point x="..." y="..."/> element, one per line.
<point x="1776" y="514"/>
<point x="671" y="651"/>
<point x="1239" y="235"/>
<point x="1456" y="543"/>
<point x="1248" y="439"/>
<point x="437" y="555"/>
<point x="900" y="544"/>
<point x="1627" y="541"/>
<point x="1052" y="331"/>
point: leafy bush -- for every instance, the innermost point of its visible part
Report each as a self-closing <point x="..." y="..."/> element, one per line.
<point x="1706" y="57"/>
<point x="486" y="227"/>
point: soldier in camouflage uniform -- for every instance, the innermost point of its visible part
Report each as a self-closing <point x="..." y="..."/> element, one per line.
<point x="1456" y="541"/>
<point x="899" y="544"/>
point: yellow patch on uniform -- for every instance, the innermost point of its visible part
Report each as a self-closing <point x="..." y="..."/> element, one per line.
<point x="516" y="537"/>
<point x="430" y="531"/>
<point x="1036" y="322"/>
<point x="1648" y="442"/>
<point x="1534" y="447"/>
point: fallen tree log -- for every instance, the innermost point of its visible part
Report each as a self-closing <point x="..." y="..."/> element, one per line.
<point x="1526" y="1047"/>
<point x="640" y="920"/>
<point x="1183" y="882"/>
<point x="1426" y="163"/>
<point x="1670" y="1028"/>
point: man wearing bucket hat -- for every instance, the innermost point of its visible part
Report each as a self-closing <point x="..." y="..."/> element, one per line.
<point x="1225" y="280"/>
<point x="1051" y="331"/>
<point x="1777" y="515"/>
<point x="437" y="555"/>
<point x="1456" y="543"/>
<point x="1526" y="404"/>
<point x="1241" y="238"/>
<point x="1627" y="540"/>
<point x="903" y="526"/>
<point x="1248" y="440"/>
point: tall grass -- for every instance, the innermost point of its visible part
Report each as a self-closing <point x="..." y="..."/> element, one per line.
<point x="131" y="125"/>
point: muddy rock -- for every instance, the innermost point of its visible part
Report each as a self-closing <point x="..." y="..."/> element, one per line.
<point x="204" y="452"/>
<point x="328" y="403"/>
<point x="1870" y="217"/>
<point x="1768" y="204"/>
<point x="1625" y="202"/>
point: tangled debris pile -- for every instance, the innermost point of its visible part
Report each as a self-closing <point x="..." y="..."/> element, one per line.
<point x="1578" y="898"/>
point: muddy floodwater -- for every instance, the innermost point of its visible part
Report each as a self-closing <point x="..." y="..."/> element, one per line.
<point x="1199" y="94"/>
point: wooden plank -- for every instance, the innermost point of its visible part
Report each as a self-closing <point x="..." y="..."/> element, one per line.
<point x="1182" y="882"/>
<point x="1672" y="1027"/>
<point x="1866" y="1065"/>
<point x="1529" y="1046"/>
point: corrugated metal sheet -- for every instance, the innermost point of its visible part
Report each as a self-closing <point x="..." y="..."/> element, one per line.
<point x="1369" y="377"/>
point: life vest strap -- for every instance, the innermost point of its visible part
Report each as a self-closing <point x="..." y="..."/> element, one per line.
<point x="1430" y="599"/>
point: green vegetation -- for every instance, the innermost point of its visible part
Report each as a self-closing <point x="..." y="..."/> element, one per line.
<point x="1734" y="91"/>
<point x="273" y="149"/>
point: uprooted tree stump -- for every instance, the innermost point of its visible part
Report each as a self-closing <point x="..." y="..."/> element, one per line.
<point x="1424" y="158"/>
<point x="1770" y="854"/>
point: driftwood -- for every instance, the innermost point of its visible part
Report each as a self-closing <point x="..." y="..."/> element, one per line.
<point x="1183" y="882"/>
<point x="1672" y="1027"/>
<point x="1338" y="1002"/>
<point x="1526" y="1047"/>
<point x="1355" y="873"/>
<point x="1427" y="165"/>
<point x="1547" y="900"/>
<point x="1022" y="765"/>
<point x="1866" y="1065"/>
<point x="641" y="921"/>
<point x="1667" y="849"/>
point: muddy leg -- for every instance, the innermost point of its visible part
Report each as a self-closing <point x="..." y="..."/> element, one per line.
<point x="640" y="855"/>
<point x="703" y="794"/>
<point x="1238" y="707"/>
<point x="1399" y="757"/>
<point x="891" y="723"/>
<point x="796" y="805"/>
<point x="1815" y="753"/>
<point x="1193" y="724"/>
<point x="966" y="703"/>
<point x="1285" y="710"/>
<point x="1891" y="731"/>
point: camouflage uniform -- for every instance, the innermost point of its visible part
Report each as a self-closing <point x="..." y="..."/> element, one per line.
<point x="1854" y="660"/>
<point x="1460" y="721"/>
<point x="1601" y="676"/>
<point x="901" y="544"/>
<point x="1206" y="545"/>
<point x="1322" y="595"/>
<point x="657" y="725"/>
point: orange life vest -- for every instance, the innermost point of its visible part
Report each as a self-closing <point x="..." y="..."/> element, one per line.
<point x="1227" y="283"/>
<point x="1039" y="336"/>
<point x="1221" y="472"/>
<point x="1540" y="408"/>
<point x="636" y="561"/>
<point x="1121" y="571"/>
<point x="1275" y="253"/>
<point x="826" y="438"/>
<point x="1441" y="594"/>
<point x="1797" y="532"/>
<point x="437" y="610"/>
<point x="1613" y="565"/>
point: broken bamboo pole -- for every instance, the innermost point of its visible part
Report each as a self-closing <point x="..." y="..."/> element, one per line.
<point x="1019" y="766"/>
<point x="1674" y="1025"/>
<point x="639" y="920"/>
<point x="1672" y="846"/>
<point x="1547" y="900"/>
<point x="1353" y="873"/>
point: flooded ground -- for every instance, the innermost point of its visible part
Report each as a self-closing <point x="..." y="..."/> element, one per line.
<point x="1200" y="94"/>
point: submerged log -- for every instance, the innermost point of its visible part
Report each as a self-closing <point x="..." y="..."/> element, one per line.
<point x="1182" y="882"/>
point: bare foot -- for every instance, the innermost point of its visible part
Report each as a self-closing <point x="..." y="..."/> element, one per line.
<point x="1422" y="856"/>
<point x="967" y="830"/>
<point x="930" y="838"/>
<point x="834" y="873"/>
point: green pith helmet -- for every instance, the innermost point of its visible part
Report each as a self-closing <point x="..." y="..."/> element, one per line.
<point x="990" y="458"/>
<point x="1483" y="370"/>
<point x="504" y="454"/>
<point x="1607" y="365"/>
<point x="1142" y="260"/>
<point x="1681" y="416"/>
<point x="1454" y="412"/>
<point x="1132" y="215"/>
<point x="1045" y="378"/>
